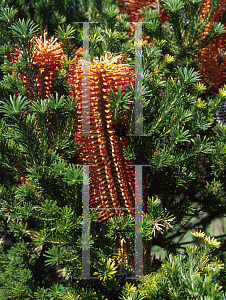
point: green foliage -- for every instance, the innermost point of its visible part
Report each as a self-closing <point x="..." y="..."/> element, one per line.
<point x="178" y="124"/>
<point x="66" y="36"/>
<point x="16" y="274"/>
<point x="184" y="36"/>
<point x="189" y="276"/>
<point x="130" y="293"/>
<point x="24" y="31"/>
<point x="106" y="269"/>
<point x="7" y="18"/>
<point x="121" y="105"/>
<point x="110" y="34"/>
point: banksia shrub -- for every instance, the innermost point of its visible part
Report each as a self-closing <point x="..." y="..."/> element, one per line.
<point x="112" y="179"/>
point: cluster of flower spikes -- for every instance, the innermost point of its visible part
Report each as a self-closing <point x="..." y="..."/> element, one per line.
<point x="212" y="56"/>
<point x="112" y="179"/>
<point x="47" y="55"/>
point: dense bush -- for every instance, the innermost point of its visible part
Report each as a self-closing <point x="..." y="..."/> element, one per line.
<point x="43" y="154"/>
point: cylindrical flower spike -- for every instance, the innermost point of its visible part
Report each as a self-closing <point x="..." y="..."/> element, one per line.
<point x="113" y="181"/>
<point x="47" y="55"/>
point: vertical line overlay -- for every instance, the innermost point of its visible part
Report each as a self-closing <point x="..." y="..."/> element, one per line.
<point x="138" y="109"/>
<point x="86" y="82"/>
<point x="85" y="225"/>
<point x="138" y="225"/>
<point x="138" y="259"/>
<point x="138" y="222"/>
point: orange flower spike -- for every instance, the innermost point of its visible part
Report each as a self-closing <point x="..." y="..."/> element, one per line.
<point x="113" y="182"/>
<point x="47" y="55"/>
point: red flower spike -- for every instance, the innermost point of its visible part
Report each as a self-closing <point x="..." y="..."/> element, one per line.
<point x="113" y="181"/>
